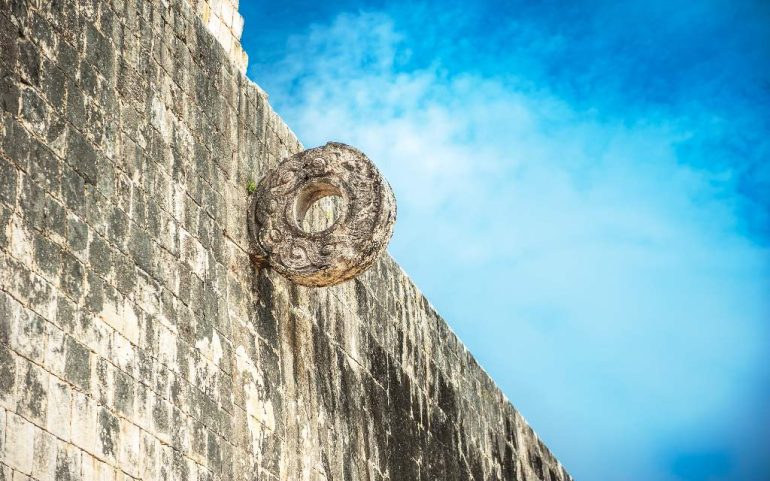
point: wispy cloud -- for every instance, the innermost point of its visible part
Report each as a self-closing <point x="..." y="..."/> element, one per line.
<point x="597" y="263"/>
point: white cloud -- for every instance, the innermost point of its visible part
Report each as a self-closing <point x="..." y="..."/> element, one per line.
<point x="603" y="283"/>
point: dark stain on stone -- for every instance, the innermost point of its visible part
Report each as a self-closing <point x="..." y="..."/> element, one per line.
<point x="324" y="356"/>
<point x="77" y="366"/>
<point x="509" y="463"/>
<point x="160" y="416"/>
<point x="327" y="467"/>
<point x="265" y="320"/>
<point x="124" y="393"/>
<point x="35" y="393"/>
<point x="7" y="371"/>
<point x="214" y="452"/>
<point x="446" y="397"/>
<point x="536" y="462"/>
<point x="108" y="432"/>
<point x="64" y="467"/>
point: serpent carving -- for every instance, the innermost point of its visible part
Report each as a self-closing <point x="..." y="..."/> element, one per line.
<point x="361" y="231"/>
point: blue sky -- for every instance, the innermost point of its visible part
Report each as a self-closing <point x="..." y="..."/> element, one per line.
<point x="583" y="193"/>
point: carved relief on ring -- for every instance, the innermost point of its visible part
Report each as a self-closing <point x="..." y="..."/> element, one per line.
<point x="365" y="214"/>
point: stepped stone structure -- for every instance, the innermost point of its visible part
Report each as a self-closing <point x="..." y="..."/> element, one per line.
<point x="138" y="340"/>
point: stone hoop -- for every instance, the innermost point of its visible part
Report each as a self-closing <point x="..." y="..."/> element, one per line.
<point x="361" y="231"/>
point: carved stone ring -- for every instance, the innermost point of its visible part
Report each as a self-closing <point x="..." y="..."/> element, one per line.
<point x="359" y="234"/>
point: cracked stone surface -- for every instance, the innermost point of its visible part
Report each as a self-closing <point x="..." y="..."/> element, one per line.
<point x="138" y="340"/>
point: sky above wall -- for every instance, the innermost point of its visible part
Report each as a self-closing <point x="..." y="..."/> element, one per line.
<point x="583" y="193"/>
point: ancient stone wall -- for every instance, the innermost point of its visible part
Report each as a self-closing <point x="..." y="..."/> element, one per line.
<point x="225" y="23"/>
<point x="138" y="340"/>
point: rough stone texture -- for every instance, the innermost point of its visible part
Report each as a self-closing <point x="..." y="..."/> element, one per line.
<point x="366" y="212"/>
<point x="137" y="339"/>
<point x="223" y="21"/>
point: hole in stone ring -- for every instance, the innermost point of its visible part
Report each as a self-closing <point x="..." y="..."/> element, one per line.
<point x="317" y="207"/>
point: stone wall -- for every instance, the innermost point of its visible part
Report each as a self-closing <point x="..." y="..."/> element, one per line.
<point x="137" y="340"/>
<point x="223" y="21"/>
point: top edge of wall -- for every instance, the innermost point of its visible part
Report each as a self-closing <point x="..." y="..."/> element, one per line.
<point x="225" y="23"/>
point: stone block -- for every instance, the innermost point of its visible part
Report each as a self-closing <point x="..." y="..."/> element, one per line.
<point x="76" y="235"/>
<point x="99" y="52"/>
<point x="32" y="394"/>
<point x="77" y="367"/>
<point x="117" y="227"/>
<point x="16" y="142"/>
<point x="73" y="277"/>
<point x="5" y="220"/>
<point x="54" y="85"/>
<point x="129" y="453"/>
<point x="237" y="26"/>
<point x="103" y="382"/>
<point x="7" y="377"/>
<point x="89" y="80"/>
<point x="105" y="179"/>
<point x="149" y="455"/>
<point x="214" y="452"/>
<point x="20" y="435"/>
<point x="44" y="167"/>
<point x="94" y="299"/>
<point x="9" y="46"/>
<point x="76" y="115"/>
<point x="95" y="212"/>
<point x="107" y="435"/>
<point x="8" y="307"/>
<point x="59" y="409"/>
<point x="2" y="435"/>
<point x="68" y="467"/>
<point x="56" y="134"/>
<point x="48" y="257"/>
<point x="27" y="332"/>
<point x="34" y="112"/>
<point x="84" y="421"/>
<point x="124" y="394"/>
<point x="123" y="353"/>
<point x="100" y="257"/>
<point x="68" y="316"/>
<point x="96" y="470"/>
<point x="29" y="62"/>
<point x="161" y="422"/>
<point x="44" y="457"/>
<point x="73" y="191"/>
<point x="32" y="204"/>
<point x="10" y="96"/>
<point x="8" y="187"/>
<point x="33" y="291"/>
<point x="55" y="219"/>
<point x="126" y="275"/>
<point x="80" y="153"/>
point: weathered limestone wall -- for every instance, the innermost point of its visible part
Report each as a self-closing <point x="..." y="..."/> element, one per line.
<point x="223" y="21"/>
<point x="137" y="340"/>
